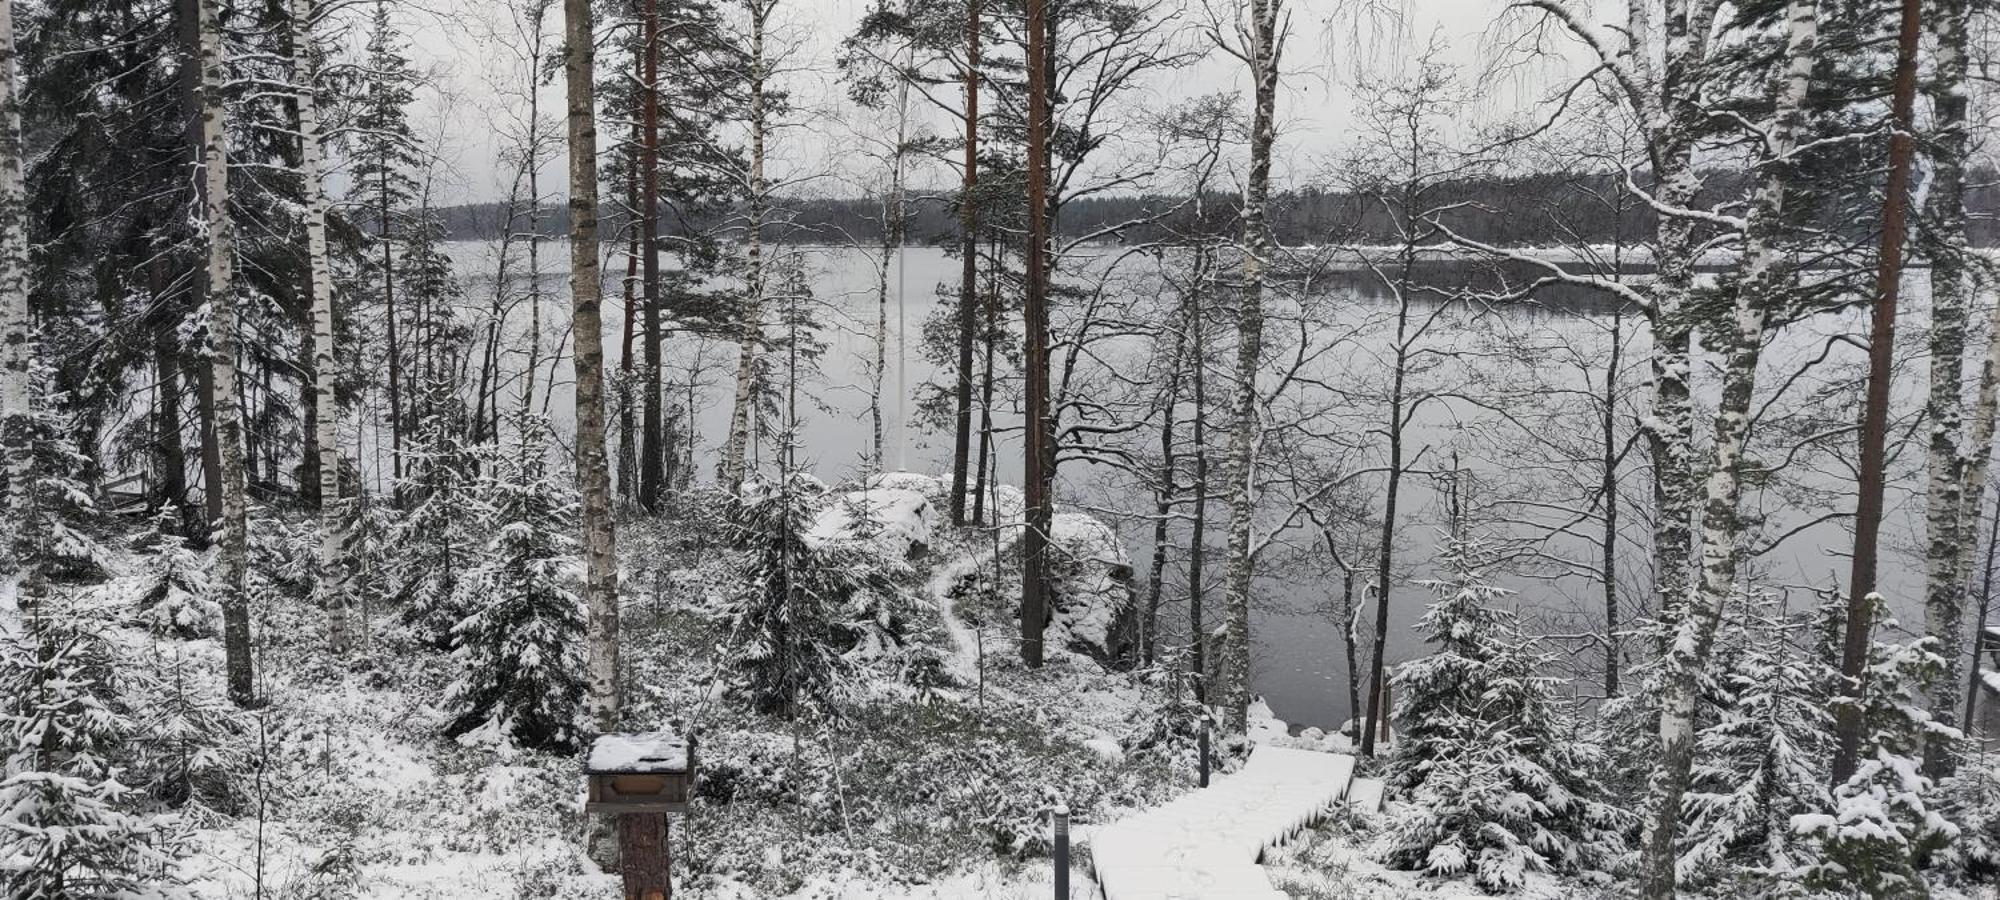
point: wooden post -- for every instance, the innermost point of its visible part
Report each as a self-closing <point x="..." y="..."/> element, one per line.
<point x="643" y="856"/>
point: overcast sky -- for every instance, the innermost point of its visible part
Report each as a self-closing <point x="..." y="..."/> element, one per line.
<point x="471" y="108"/>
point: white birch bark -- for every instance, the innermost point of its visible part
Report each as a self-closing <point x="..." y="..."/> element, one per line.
<point x="1956" y="481"/>
<point x="735" y="451"/>
<point x="232" y="562"/>
<point x="1233" y="652"/>
<point x="332" y="585"/>
<point x="1761" y="282"/>
<point x="593" y="470"/>
<point x="16" y="330"/>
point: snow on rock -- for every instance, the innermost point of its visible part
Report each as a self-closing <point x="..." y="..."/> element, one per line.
<point x="1093" y="587"/>
<point x="898" y="521"/>
<point x="1208" y="844"/>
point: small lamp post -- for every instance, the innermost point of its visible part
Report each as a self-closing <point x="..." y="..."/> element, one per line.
<point x="1061" y="815"/>
<point x="640" y="778"/>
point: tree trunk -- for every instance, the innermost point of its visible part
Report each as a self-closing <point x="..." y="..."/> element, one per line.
<point x="586" y="287"/>
<point x="1198" y="519"/>
<point x="734" y="466"/>
<point x="1759" y="289"/>
<point x="1164" y="492"/>
<point x="17" y="347"/>
<point x="1608" y="488"/>
<point x="232" y="564"/>
<point x="332" y="584"/>
<point x="652" y="446"/>
<point x="1861" y="601"/>
<point x="1233" y="663"/>
<point x="167" y="436"/>
<point x="1035" y="541"/>
<point x="985" y="463"/>
<point x="968" y="248"/>
<point x="1951" y="512"/>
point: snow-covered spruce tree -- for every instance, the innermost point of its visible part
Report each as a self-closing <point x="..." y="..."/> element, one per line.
<point x="1499" y="782"/>
<point x="174" y="599"/>
<point x="1761" y="758"/>
<point x="189" y="736"/>
<point x="1884" y="823"/>
<point x="787" y="618"/>
<point x="73" y="829"/>
<point x="58" y="532"/>
<point x="438" y="539"/>
<point x="521" y="645"/>
<point x="1970" y="799"/>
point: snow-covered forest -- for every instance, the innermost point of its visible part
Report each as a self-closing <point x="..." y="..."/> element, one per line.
<point x="999" y="448"/>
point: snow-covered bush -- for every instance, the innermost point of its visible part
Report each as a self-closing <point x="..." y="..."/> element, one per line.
<point x="174" y="598"/>
<point x="1884" y="823"/>
<point x="520" y="647"/>
<point x="192" y="738"/>
<point x="1761" y="759"/>
<point x="1970" y="798"/>
<point x="59" y="534"/>
<point x="1498" y="781"/>
<point x="70" y="827"/>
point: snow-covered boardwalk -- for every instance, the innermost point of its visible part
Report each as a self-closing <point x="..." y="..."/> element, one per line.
<point x="1205" y="845"/>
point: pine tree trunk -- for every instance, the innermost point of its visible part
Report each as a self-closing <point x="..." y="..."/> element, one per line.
<point x="968" y="249"/>
<point x="734" y="465"/>
<point x="232" y="563"/>
<point x="167" y="435"/>
<point x="1861" y="582"/>
<point x="652" y="446"/>
<point x="1035" y="315"/>
<point x="586" y="286"/>
<point x="1951" y="514"/>
<point x="326" y="403"/>
<point x="17" y="347"/>
<point x="1233" y="663"/>
<point x="1760" y="287"/>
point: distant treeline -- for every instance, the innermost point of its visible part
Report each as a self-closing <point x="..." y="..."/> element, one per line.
<point x="1539" y="210"/>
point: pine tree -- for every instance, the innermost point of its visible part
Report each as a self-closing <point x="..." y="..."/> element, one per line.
<point x="384" y="156"/>
<point x="438" y="540"/>
<point x="1884" y="823"/>
<point x="521" y="647"/>
<point x="1499" y="781"/>
<point x="1762" y="759"/>
<point x="73" y="829"/>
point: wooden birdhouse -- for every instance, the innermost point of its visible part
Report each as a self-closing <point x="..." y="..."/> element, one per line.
<point x="651" y="772"/>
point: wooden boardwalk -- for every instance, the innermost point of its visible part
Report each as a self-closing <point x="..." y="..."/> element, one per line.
<point x="1206" y="844"/>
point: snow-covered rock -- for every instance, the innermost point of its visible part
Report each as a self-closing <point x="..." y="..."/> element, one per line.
<point x="897" y="521"/>
<point x="1093" y="588"/>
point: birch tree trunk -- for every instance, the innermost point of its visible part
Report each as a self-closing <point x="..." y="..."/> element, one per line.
<point x="1760" y="285"/>
<point x="17" y="346"/>
<point x="734" y="468"/>
<point x="1233" y="651"/>
<point x="332" y="585"/>
<point x="231" y="566"/>
<point x="593" y="474"/>
<point x="1951" y="511"/>
<point x="1862" y="599"/>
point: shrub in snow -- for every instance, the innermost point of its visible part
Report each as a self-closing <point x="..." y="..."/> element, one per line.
<point x="190" y="736"/>
<point x="1762" y="757"/>
<point x="70" y="828"/>
<point x="174" y="598"/>
<point x="521" y="645"/>
<point x="791" y="617"/>
<point x="1970" y="798"/>
<point x="1499" y="783"/>
<point x="1883" y="822"/>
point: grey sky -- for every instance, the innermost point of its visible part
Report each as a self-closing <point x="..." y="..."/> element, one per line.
<point x="471" y="109"/>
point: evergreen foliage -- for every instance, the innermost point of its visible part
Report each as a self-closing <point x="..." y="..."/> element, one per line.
<point x="520" y="647"/>
<point x="73" y="829"/>
<point x="174" y="599"/>
<point x="1499" y="782"/>
<point x="1884" y="823"/>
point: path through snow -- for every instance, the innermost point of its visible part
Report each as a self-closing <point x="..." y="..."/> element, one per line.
<point x="1207" y="844"/>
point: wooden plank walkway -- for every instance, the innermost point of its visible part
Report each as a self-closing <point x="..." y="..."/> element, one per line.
<point x="1206" y="844"/>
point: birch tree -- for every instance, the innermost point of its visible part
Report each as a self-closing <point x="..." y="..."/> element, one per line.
<point x="332" y="584"/>
<point x="16" y="328"/>
<point x="1761" y="281"/>
<point x="735" y="452"/>
<point x="1261" y="48"/>
<point x="593" y="473"/>
<point x="221" y="348"/>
